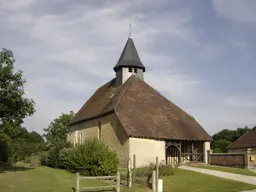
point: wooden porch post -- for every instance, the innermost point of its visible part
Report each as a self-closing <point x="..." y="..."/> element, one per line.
<point x="192" y="147"/>
<point x="180" y="153"/>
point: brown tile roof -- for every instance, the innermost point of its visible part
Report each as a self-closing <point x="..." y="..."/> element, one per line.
<point x="248" y="140"/>
<point x="142" y="111"/>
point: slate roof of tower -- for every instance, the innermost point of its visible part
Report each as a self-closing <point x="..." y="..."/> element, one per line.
<point x="129" y="57"/>
<point x="142" y="112"/>
<point x="248" y="140"/>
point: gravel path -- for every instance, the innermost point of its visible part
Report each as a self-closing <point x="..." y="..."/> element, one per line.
<point x="233" y="176"/>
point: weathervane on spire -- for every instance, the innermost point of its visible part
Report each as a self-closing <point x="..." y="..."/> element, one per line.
<point x="130" y="29"/>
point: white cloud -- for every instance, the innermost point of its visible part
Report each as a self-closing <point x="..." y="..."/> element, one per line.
<point x="14" y="5"/>
<point x="75" y="52"/>
<point x="236" y="10"/>
<point x="66" y="56"/>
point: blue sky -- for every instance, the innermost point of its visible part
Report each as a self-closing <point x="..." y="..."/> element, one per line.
<point x="199" y="54"/>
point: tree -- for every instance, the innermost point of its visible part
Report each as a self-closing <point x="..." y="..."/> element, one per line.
<point x="5" y="147"/>
<point x="58" y="130"/>
<point x="221" y="145"/>
<point x="14" y="107"/>
<point x="25" y="143"/>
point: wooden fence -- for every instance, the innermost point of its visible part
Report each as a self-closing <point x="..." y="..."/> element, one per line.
<point x="116" y="186"/>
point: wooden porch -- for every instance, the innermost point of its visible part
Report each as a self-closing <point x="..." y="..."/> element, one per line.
<point x="182" y="152"/>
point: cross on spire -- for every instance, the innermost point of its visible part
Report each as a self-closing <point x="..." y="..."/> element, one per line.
<point x="130" y="29"/>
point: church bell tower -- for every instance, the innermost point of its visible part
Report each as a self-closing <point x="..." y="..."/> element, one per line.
<point x="129" y="64"/>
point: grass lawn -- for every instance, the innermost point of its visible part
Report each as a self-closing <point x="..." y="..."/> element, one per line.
<point x="184" y="180"/>
<point x="227" y="169"/>
<point x="44" y="179"/>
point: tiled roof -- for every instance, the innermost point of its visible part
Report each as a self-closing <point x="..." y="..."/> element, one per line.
<point x="248" y="140"/>
<point x="142" y="111"/>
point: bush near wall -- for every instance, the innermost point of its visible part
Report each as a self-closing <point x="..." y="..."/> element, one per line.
<point x="92" y="158"/>
<point x="146" y="171"/>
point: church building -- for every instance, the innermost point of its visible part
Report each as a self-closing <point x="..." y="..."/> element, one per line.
<point x="131" y="117"/>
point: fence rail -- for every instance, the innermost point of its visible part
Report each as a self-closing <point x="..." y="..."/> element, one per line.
<point x="116" y="186"/>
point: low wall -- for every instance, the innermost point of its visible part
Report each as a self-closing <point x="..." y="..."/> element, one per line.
<point x="227" y="159"/>
<point x="246" y="160"/>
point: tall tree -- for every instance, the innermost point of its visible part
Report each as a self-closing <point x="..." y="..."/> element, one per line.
<point x="58" y="129"/>
<point x="14" y="107"/>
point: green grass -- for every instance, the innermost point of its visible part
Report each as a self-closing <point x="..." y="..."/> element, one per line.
<point x="45" y="179"/>
<point x="227" y="169"/>
<point x="184" y="180"/>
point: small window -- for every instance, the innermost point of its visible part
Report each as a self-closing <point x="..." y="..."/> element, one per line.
<point x="99" y="132"/>
<point x="135" y="70"/>
<point x="130" y="69"/>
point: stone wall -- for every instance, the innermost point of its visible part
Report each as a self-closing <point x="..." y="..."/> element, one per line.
<point x="227" y="159"/>
<point x="106" y="128"/>
<point x="245" y="159"/>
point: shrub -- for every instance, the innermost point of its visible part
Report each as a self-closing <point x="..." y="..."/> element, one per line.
<point x="44" y="158"/>
<point x="146" y="171"/>
<point x="63" y="162"/>
<point x="52" y="157"/>
<point x="93" y="158"/>
<point x="53" y="154"/>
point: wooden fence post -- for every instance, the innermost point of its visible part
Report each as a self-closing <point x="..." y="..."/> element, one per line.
<point x="77" y="182"/>
<point x="118" y="182"/>
<point x="134" y="169"/>
<point x="154" y="181"/>
<point x="157" y="173"/>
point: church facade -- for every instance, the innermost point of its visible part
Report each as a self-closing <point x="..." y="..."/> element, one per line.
<point x="131" y="117"/>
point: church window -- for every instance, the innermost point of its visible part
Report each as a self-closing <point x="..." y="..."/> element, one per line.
<point x="99" y="130"/>
<point x="130" y="69"/>
<point x="135" y="70"/>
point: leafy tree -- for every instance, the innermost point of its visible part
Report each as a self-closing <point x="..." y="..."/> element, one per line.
<point x="25" y="143"/>
<point x="221" y="145"/>
<point x="5" y="147"/>
<point x="14" y="107"/>
<point x="58" y="130"/>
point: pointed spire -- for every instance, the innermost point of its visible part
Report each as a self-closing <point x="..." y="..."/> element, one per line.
<point x="129" y="57"/>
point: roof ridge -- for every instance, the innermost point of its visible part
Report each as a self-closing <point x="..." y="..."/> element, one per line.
<point x="238" y="139"/>
<point x="128" y="81"/>
<point x="115" y="95"/>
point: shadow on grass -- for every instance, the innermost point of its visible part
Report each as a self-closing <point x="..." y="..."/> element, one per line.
<point x="12" y="168"/>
